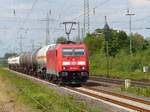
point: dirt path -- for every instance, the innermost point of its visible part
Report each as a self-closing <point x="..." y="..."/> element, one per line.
<point x="9" y="102"/>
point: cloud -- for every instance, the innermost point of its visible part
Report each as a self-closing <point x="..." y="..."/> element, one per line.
<point x="140" y="2"/>
<point x="22" y="6"/>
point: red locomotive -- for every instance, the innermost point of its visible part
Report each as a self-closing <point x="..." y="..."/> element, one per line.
<point x="65" y="63"/>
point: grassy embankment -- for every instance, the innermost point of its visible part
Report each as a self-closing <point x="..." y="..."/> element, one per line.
<point x="137" y="91"/>
<point x="40" y="98"/>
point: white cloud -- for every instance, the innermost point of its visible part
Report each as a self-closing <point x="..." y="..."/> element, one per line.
<point x="140" y="2"/>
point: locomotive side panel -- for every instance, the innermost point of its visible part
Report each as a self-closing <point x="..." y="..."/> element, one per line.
<point x="52" y="62"/>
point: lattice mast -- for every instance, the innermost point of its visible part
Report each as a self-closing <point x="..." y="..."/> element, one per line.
<point x="86" y="17"/>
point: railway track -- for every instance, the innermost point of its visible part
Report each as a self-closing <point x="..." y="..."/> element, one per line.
<point x="126" y="102"/>
<point x="119" y="81"/>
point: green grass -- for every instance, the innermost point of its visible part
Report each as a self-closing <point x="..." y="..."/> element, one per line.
<point x="119" y="67"/>
<point x="43" y="99"/>
<point x="3" y="63"/>
<point x="137" y="91"/>
<point x="119" y="74"/>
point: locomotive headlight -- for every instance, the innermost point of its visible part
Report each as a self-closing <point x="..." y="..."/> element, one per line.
<point x="82" y="63"/>
<point x="64" y="68"/>
<point x="83" y="68"/>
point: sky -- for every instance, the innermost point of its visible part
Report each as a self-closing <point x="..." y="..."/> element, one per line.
<point x="28" y="21"/>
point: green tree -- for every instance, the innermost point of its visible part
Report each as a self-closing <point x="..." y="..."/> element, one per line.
<point x="94" y="42"/>
<point x="7" y="55"/>
<point x="61" y="40"/>
<point x="139" y="43"/>
<point x="123" y="39"/>
<point x="117" y="40"/>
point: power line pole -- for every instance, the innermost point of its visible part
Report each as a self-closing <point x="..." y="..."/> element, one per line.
<point x="47" y="20"/>
<point x="82" y="32"/>
<point x="86" y="17"/>
<point x="32" y="45"/>
<point x="130" y="28"/>
<point x="79" y="31"/>
<point x="107" y="39"/>
<point x="47" y="28"/>
<point x="21" y="43"/>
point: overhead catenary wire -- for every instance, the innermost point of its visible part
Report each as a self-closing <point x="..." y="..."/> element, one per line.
<point x="101" y="4"/>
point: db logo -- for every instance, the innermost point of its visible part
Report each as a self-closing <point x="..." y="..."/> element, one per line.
<point x="73" y="63"/>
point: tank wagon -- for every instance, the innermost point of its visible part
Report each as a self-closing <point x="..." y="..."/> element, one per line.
<point x="65" y="63"/>
<point x="14" y="62"/>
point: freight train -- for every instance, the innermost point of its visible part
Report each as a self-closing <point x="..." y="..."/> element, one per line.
<point x="62" y="63"/>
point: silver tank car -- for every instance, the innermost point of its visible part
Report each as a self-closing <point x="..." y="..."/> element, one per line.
<point x="25" y="58"/>
<point x="40" y="56"/>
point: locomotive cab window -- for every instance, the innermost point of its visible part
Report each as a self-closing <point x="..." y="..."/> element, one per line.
<point x="67" y="52"/>
<point x="79" y="52"/>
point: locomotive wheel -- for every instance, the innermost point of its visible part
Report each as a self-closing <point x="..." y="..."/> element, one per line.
<point x="54" y="79"/>
<point x="48" y="77"/>
<point x="39" y="74"/>
<point x="61" y="83"/>
<point x="43" y="75"/>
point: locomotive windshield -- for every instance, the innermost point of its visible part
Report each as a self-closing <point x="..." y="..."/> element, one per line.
<point x="78" y="52"/>
<point x="73" y="52"/>
<point x="67" y="51"/>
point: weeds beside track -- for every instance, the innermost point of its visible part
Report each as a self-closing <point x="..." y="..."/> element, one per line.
<point x="41" y="98"/>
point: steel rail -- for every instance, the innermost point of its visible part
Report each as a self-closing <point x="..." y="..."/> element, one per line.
<point x="126" y="105"/>
<point x="119" y="81"/>
<point x="119" y="95"/>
